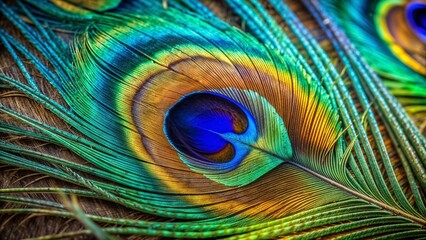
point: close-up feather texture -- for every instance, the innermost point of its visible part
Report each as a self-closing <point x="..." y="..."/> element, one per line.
<point x="236" y="119"/>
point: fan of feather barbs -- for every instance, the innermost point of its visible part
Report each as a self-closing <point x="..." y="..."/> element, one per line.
<point x="212" y="119"/>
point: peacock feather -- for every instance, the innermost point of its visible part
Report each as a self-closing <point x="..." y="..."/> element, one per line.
<point x="159" y="119"/>
<point x="391" y="36"/>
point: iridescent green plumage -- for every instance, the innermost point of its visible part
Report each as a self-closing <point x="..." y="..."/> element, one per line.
<point x="187" y="118"/>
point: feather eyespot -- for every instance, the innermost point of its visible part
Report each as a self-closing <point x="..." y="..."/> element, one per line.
<point x="416" y="16"/>
<point x="215" y="134"/>
<point x="200" y="106"/>
<point x="402" y="26"/>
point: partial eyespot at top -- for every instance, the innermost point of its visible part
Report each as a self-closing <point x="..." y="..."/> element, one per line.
<point x="83" y="8"/>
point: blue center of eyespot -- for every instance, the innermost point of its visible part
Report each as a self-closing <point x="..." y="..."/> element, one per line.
<point x="204" y="128"/>
<point x="198" y="123"/>
<point x="416" y="15"/>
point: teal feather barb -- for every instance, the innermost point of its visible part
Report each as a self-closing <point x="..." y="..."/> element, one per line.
<point x="162" y="120"/>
